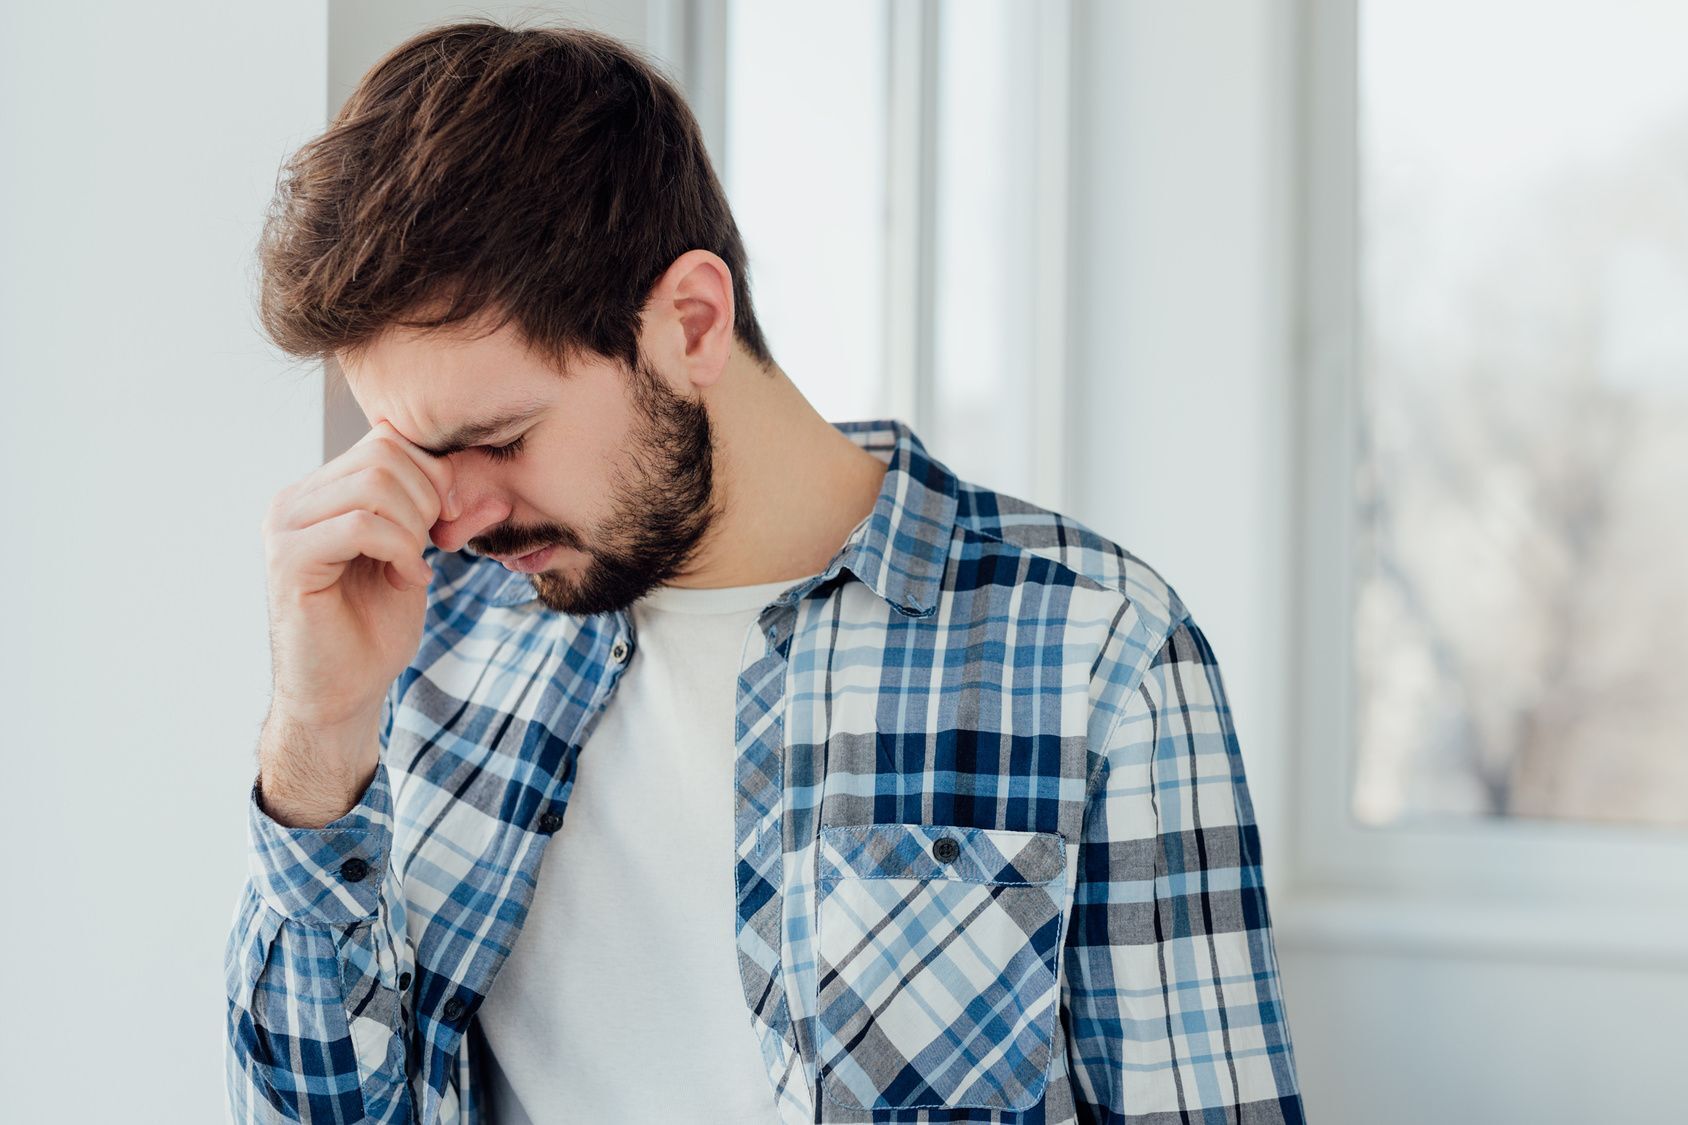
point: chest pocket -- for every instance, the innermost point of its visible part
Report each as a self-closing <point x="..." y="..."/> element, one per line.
<point x="936" y="951"/>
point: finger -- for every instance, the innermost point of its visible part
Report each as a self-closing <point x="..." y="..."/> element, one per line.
<point x="313" y="558"/>
<point x="429" y="478"/>
<point x="438" y="470"/>
<point x="365" y="476"/>
<point x="383" y="488"/>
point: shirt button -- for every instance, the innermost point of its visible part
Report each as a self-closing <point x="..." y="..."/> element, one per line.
<point x="619" y="652"/>
<point x="453" y="1008"/>
<point x="945" y="849"/>
<point x="550" y="822"/>
<point x="353" y="870"/>
<point x="404" y="981"/>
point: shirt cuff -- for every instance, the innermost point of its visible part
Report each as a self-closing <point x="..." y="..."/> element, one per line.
<point x="323" y="876"/>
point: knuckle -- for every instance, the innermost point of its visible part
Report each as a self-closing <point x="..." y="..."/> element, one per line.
<point x="381" y="477"/>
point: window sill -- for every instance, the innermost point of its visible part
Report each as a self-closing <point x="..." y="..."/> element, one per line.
<point x="1628" y="935"/>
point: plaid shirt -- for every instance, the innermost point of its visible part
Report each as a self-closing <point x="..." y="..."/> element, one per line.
<point x="995" y="854"/>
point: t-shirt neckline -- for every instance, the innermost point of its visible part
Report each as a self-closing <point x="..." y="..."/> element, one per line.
<point x="714" y="599"/>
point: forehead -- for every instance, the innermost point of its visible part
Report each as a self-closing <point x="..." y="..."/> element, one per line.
<point x="427" y="383"/>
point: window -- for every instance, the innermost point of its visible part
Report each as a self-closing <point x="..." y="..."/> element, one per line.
<point x="1413" y="874"/>
<point x="1521" y="615"/>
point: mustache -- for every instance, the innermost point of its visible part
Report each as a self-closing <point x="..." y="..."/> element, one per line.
<point x="508" y="545"/>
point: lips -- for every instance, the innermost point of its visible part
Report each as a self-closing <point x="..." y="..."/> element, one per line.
<point x="513" y="558"/>
<point x="530" y="563"/>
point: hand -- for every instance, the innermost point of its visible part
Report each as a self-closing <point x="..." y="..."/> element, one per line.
<point x="347" y="584"/>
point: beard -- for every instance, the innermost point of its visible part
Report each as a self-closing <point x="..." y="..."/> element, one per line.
<point x="664" y="504"/>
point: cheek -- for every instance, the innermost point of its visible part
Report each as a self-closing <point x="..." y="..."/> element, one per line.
<point x="582" y="466"/>
<point x="563" y="491"/>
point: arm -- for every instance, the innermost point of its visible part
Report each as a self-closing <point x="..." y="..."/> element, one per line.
<point x="1171" y="983"/>
<point x="315" y="1028"/>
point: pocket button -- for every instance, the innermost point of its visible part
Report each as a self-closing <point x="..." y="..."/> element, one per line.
<point x="945" y="849"/>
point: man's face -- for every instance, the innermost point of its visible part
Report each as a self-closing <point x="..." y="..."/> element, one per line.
<point x="615" y="469"/>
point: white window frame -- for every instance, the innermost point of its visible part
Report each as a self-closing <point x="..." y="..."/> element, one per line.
<point x="1581" y="891"/>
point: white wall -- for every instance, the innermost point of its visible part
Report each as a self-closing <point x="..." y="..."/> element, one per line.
<point x="143" y="428"/>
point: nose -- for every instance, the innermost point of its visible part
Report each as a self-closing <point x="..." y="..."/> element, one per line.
<point x="482" y="511"/>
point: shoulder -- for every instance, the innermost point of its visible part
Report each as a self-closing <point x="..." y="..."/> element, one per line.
<point x="1119" y="606"/>
<point x="997" y="522"/>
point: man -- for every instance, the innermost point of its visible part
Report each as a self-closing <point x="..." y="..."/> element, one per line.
<point x="870" y="794"/>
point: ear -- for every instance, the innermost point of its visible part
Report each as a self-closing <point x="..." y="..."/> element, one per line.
<point x="687" y="322"/>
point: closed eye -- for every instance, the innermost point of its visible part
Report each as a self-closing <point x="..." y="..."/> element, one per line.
<point x="505" y="452"/>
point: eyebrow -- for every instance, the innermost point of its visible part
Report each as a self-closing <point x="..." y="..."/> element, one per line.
<point x="474" y="433"/>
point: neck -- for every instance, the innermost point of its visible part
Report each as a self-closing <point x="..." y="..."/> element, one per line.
<point x="789" y="486"/>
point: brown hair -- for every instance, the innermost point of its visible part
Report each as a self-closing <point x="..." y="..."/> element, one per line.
<point x="546" y="175"/>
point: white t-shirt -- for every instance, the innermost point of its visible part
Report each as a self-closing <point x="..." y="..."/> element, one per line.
<point x="620" y="1000"/>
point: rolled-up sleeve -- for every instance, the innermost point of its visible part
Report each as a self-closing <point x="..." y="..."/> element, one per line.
<point x="316" y="962"/>
<point x="328" y="875"/>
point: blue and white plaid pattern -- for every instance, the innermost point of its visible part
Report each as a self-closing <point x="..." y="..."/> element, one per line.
<point x="995" y="856"/>
<point x="936" y="957"/>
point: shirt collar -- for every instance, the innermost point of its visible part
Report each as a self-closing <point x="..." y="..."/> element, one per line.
<point x="900" y="549"/>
